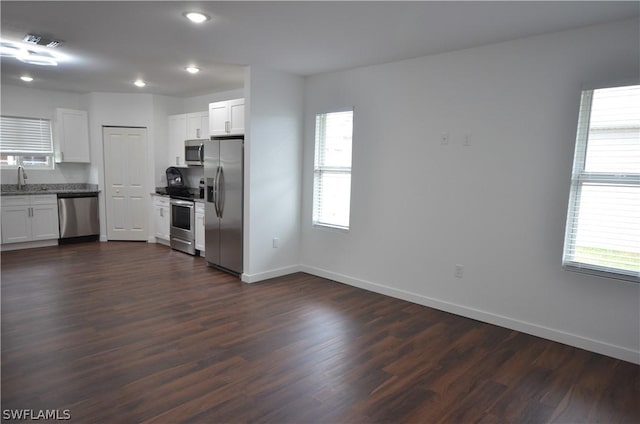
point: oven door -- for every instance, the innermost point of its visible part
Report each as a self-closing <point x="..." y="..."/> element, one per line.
<point x="182" y="220"/>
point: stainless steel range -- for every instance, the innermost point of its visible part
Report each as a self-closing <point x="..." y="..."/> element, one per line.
<point x="182" y="235"/>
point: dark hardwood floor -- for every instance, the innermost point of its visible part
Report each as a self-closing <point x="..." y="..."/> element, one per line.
<point x="134" y="332"/>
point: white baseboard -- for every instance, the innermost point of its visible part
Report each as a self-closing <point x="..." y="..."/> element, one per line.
<point x="254" y="278"/>
<point x="618" y="352"/>
<point x="29" y="245"/>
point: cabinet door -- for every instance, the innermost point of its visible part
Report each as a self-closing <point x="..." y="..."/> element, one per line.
<point x="198" y="125"/>
<point x="218" y="117"/>
<point x="166" y="222"/>
<point x="44" y="222"/>
<point x="157" y="224"/>
<point x="162" y="222"/>
<point x="200" y="231"/>
<point x="16" y="224"/>
<point x="72" y="133"/>
<point x="236" y="117"/>
<point x="177" y="136"/>
<point x="204" y="124"/>
<point x="161" y="217"/>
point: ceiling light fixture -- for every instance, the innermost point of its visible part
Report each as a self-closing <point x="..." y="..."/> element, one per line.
<point x="139" y="83"/>
<point x="36" y="58"/>
<point x="30" y="53"/>
<point x="196" y="17"/>
<point x="26" y="78"/>
<point x="9" y="49"/>
<point x="192" y="69"/>
<point x="41" y="41"/>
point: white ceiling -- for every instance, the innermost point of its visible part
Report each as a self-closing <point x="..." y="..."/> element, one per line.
<point x="114" y="42"/>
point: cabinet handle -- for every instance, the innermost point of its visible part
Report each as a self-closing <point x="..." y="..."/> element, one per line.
<point x="177" y="160"/>
<point x="30" y="212"/>
<point x="226" y="126"/>
<point x="161" y="214"/>
<point x="197" y="132"/>
<point x="62" y="156"/>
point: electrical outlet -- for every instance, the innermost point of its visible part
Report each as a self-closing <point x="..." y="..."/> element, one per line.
<point x="467" y="139"/>
<point x="459" y="271"/>
<point x="276" y="242"/>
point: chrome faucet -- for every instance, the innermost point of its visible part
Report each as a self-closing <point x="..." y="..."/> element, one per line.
<point x="22" y="178"/>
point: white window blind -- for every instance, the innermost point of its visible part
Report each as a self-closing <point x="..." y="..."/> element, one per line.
<point x="603" y="222"/>
<point x="25" y="135"/>
<point x="26" y="141"/>
<point x="332" y="169"/>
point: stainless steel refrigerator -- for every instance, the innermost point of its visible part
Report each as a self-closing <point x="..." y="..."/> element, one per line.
<point x="223" y="173"/>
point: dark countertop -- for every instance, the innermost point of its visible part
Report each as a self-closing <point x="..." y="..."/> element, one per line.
<point x="12" y="189"/>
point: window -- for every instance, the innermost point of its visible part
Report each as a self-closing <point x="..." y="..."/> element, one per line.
<point x="603" y="222"/>
<point x="332" y="169"/>
<point x="26" y="142"/>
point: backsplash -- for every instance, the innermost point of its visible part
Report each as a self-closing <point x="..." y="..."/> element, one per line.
<point x="63" y="173"/>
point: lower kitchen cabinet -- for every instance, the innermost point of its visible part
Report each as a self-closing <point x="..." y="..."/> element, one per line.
<point x="200" y="227"/>
<point x="29" y="218"/>
<point x="161" y="218"/>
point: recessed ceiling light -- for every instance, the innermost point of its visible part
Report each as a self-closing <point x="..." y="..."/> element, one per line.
<point x="192" y="69"/>
<point x="26" y="78"/>
<point x="196" y="17"/>
<point x="139" y="83"/>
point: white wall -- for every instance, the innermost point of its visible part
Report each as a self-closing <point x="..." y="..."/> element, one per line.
<point x="273" y="156"/>
<point x="35" y="103"/>
<point x="498" y="207"/>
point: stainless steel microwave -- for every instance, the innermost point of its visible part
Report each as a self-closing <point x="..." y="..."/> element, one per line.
<point x="194" y="152"/>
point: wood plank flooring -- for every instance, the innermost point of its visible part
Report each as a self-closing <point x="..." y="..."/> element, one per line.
<point x="133" y="332"/>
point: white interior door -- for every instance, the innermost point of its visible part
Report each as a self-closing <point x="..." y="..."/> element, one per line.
<point x="125" y="162"/>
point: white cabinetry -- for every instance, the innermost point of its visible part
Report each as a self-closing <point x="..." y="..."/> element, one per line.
<point x="29" y="218"/>
<point x="197" y="125"/>
<point x="161" y="218"/>
<point x="200" y="227"/>
<point x="185" y="126"/>
<point x="177" y="136"/>
<point x="226" y="118"/>
<point x="71" y="136"/>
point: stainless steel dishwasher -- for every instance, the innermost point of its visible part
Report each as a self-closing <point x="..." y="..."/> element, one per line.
<point x="78" y="216"/>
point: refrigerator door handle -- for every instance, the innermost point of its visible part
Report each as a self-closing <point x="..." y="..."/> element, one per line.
<point x="216" y="192"/>
<point x="221" y="190"/>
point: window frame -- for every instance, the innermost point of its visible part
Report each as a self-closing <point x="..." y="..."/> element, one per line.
<point x="319" y="170"/>
<point x="580" y="178"/>
<point x="20" y="156"/>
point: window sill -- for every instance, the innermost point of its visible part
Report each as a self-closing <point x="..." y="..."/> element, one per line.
<point x="633" y="278"/>
<point x="331" y="228"/>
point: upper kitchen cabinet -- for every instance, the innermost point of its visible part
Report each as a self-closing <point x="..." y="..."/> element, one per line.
<point x="177" y="136"/>
<point x="72" y="136"/>
<point x="197" y="125"/>
<point x="185" y="126"/>
<point x="226" y="118"/>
